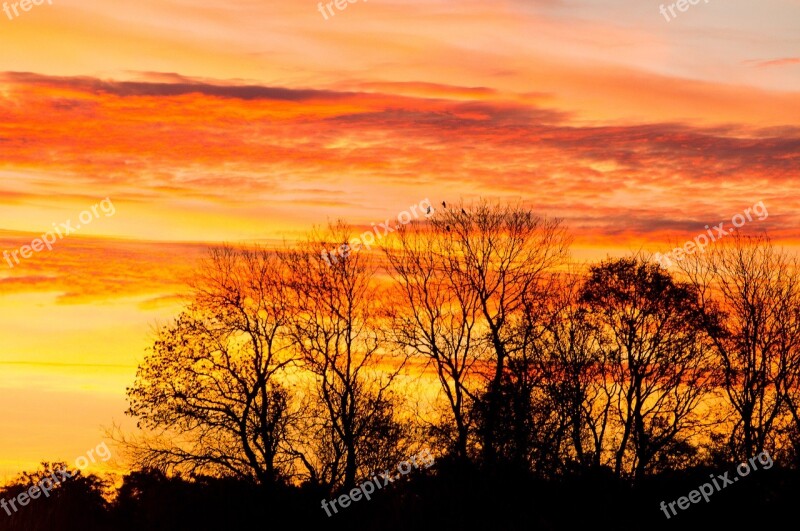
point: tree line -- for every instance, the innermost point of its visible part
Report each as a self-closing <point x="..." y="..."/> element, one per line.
<point x="473" y="333"/>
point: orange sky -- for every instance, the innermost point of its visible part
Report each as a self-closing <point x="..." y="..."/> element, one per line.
<point x="241" y="120"/>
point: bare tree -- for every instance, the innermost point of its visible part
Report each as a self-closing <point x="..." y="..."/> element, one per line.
<point x="435" y="318"/>
<point x="571" y="359"/>
<point x="787" y="345"/>
<point x="211" y="393"/>
<point x="501" y="253"/>
<point x="336" y="327"/>
<point x="755" y="289"/>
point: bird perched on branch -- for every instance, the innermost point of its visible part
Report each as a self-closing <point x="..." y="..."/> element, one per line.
<point x="444" y="205"/>
<point x="463" y="211"/>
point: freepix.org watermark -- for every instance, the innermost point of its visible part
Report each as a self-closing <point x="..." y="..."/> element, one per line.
<point x="50" y="481"/>
<point x="701" y="241"/>
<point x="367" y="239"/>
<point x="64" y="229"/>
<point x="25" y="5"/>
<point x="682" y="5"/>
<point x="378" y="481"/>
<point x="341" y="5"/>
<point x="706" y="489"/>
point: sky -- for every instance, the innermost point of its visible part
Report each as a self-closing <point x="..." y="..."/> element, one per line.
<point x="189" y="123"/>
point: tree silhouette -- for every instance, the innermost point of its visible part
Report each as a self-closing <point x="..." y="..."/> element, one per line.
<point x="755" y="289"/>
<point x="281" y="380"/>
<point x="502" y="255"/>
<point x="336" y="329"/>
<point x="436" y="318"/>
<point x="210" y="391"/>
<point x="658" y="357"/>
<point x="75" y="503"/>
<point x="571" y="358"/>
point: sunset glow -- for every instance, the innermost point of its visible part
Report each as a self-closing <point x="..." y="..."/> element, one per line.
<point x="240" y="122"/>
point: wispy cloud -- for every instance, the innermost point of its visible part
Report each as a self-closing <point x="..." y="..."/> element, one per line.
<point x="786" y="61"/>
<point x="260" y="162"/>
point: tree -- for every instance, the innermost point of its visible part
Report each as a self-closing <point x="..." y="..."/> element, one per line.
<point x="754" y="289"/>
<point x="336" y="327"/>
<point x="436" y="318"/>
<point x="76" y="502"/>
<point x="574" y="367"/>
<point x="501" y="255"/>
<point x="659" y="359"/>
<point x="211" y="393"/>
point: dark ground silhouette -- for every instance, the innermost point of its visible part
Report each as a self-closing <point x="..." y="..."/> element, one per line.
<point x="447" y="497"/>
